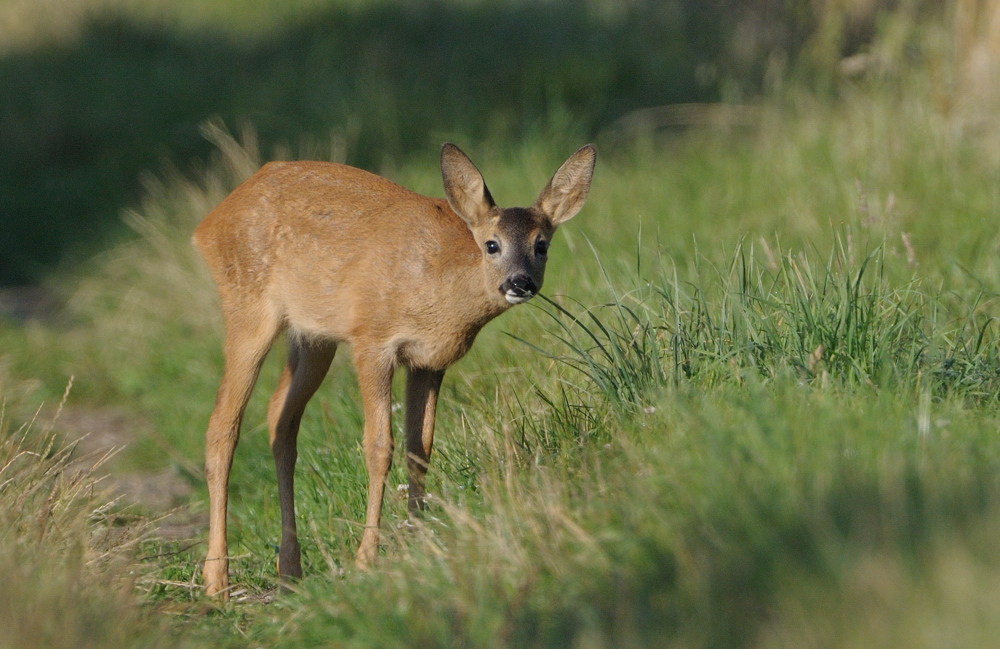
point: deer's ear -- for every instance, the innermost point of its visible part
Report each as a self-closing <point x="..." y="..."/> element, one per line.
<point x="566" y="193"/>
<point x="464" y="186"/>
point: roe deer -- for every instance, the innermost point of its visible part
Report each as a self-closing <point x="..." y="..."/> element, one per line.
<point x="335" y="254"/>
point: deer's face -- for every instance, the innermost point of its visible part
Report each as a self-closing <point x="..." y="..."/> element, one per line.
<point x="515" y="241"/>
<point x="515" y="244"/>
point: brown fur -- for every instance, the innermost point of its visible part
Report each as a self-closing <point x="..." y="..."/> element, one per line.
<point x="335" y="254"/>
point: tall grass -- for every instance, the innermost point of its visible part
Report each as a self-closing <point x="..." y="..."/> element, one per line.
<point x="820" y="320"/>
<point x="698" y="522"/>
<point x="69" y="555"/>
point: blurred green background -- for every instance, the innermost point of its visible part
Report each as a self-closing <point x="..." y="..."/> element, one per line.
<point x="97" y="92"/>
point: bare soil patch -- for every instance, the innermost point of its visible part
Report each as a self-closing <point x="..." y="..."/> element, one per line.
<point x="101" y="433"/>
<point x="24" y="303"/>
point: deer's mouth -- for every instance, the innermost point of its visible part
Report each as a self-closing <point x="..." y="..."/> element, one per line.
<point x="514" y="296"/>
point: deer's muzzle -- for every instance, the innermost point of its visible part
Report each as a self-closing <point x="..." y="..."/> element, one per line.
<point x="518" y="288"/>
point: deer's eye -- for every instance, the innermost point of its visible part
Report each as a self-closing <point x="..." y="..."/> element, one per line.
<point x="541" y="248"/>
<point x="492" y="247"/>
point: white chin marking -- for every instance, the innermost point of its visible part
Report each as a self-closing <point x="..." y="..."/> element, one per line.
<point x="517" y="299"/>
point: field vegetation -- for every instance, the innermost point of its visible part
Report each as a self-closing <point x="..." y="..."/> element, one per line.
<point x="755" y="407"/>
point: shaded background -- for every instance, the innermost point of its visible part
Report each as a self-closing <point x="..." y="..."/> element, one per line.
<point x="95" y="93"/>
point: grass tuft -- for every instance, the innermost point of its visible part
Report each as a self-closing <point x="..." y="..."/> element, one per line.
<point x="825" y="320"/>
<point x="68" y="565"/>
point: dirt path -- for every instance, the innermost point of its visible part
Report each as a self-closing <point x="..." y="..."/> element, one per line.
<point x="100" y="431"/>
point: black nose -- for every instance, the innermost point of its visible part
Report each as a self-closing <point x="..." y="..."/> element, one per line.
<point x="520" y="285"/>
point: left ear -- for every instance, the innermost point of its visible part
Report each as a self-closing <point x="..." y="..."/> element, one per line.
<point x="566" y="193"/>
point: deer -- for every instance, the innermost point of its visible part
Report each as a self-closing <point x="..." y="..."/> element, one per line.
<point x="332" y="254"/>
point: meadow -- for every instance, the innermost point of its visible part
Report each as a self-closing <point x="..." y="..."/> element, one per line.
<point x="756" y="405"/>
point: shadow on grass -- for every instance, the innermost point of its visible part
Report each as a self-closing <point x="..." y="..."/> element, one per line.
<point x="79" y="123"/>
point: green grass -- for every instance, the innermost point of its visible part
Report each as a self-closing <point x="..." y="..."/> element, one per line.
<point x="714" y="446"/>
<point x="68" y="579"/>
<point x="756" y="407"/>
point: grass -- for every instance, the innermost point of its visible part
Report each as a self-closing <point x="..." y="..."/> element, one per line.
<point x="837" y="321"/>
<point x="756" y="408"/>
<point x="720" y="453"/>
<point x="68" y="554"/>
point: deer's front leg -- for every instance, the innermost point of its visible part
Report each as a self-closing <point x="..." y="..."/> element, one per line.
<point x="375" y="381"/>
<point x="422" y="388"/>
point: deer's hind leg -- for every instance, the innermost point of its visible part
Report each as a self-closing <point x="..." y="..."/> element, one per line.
<point x="308" y="363"/>
<point x="248" y="340"/>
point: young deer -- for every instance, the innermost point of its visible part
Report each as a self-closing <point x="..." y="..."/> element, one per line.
<point x="335" y="254"/>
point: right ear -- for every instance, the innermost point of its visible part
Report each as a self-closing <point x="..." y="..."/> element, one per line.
<point x="464" y="186"/>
